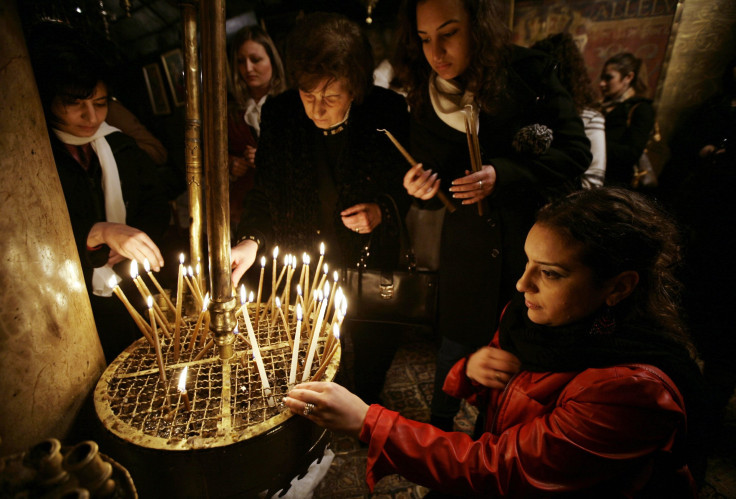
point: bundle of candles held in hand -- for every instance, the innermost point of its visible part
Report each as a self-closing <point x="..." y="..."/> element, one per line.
<point x="171" y="390"/>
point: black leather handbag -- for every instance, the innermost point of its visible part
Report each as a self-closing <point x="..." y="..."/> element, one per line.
<point x="404" y="295"/>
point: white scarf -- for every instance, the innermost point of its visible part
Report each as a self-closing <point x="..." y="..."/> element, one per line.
<point x="252" y="115"/>
<point x="113" y="192"/>
<point x="449" y="101"/>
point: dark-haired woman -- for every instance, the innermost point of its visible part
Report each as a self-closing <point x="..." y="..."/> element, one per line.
<point x="589" y="385"/>
<point x="455" y="53"/>
<point x="325" y="173"/>
<point x="116" y="201"/>
<point x="629" y="116"/>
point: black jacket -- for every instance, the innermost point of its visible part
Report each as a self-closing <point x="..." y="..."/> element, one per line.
<point x="628" y="126"/>
<point x="285" y="205"/>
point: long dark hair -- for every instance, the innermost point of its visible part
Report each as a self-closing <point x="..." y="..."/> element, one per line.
<point x="571" y="69"/>
<point x="621" y="230"/>
<point x="330" y="45"/>
<point x="486" y="74"/>
<point x="625" y="63"/>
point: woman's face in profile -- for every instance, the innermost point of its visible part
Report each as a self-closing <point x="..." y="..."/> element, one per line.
<point x="613" y="84"/>
<point x="254" y="67"/>
<point x="81" y="117"/>
<point x="558" y="288"/>
<point x="443" y="27"/>
<point x="327" y="104"/>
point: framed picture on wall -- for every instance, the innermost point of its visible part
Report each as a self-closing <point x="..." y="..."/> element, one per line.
<point x="173" y="61"/>
<point x="156" y="90"/>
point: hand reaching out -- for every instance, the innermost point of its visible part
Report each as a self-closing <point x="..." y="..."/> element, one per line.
<point x="242" y="257"/>
<point x="333" y="406"/>
<point x="125" y="242"/>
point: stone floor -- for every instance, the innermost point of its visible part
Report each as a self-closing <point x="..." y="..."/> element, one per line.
<point x="408" y="390"/>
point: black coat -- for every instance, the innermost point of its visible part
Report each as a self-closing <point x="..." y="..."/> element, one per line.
<point x="482" y="257"/>
<point x="285" y="205"/>
<point x="145" y="200"/>
<point x="628" y="126"/>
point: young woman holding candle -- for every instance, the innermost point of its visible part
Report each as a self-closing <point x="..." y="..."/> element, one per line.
<point x="325" y="173"/>
<point x="629" y="116"/>
<point x="589" y="386"/>
<point x="454" y="53"/>
<point x="256" y="73"/>
<point x="116" y="201"/>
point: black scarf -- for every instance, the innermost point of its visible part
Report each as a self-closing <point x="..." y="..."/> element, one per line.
<point x="576" y="347"/>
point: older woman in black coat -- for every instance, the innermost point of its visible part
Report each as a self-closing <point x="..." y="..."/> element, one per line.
<point x="324" y="171"/>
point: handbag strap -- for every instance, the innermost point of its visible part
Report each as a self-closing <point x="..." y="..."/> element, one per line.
<point x="406" y="250"/>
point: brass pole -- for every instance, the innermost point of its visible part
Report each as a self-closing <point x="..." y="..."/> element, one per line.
<point x="192" y="132"/>
<point x="223" y="303"/>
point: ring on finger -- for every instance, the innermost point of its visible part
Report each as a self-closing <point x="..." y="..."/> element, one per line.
<point x="308" y="408"/>
<point x="480" y="184"/>
<point x="356" y="229"/>
<point x="498" y="377"/>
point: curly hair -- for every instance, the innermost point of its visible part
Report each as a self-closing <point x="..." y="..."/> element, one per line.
<point x="625" y="63"/>
<point x="238" y="87"/>
<point x="486" y="74"/>
<point x="571" y="69"/>
<point x="330" y="45"/>
<point x="622" y="230"/>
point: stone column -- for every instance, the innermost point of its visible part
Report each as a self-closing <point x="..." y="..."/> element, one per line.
<point x="50" y="355"/>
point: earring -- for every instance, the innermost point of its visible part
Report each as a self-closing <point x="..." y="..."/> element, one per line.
<point x="605" y="322"/>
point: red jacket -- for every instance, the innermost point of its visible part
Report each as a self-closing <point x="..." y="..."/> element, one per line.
<point x="605" y="432"/>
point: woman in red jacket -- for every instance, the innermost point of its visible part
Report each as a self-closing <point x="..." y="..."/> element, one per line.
<point x="585" y="386"/>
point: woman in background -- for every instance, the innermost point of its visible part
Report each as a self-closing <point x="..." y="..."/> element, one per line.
<point x="256" y="73"/>
<point x="589" y="385"/>
<point x="629" y="116"/>
<point x="453" y="53"/>
<point x="573" y="75"/>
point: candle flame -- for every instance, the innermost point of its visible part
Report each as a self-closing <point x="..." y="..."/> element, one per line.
<point x="190" y="271"/>
<point x="320" y="296"/>
<point x="183" y="379"/>
<point x="263" y="261"/>
<point x="275" y="252"/>
<point x="242" y="294"/>
<point x="181" y="258"/>
<point x="112" y="282"/>
<point x="327" y="288"/>
<point x="306" y="259"/>
<point x="325" y="268"/>
<point x="336" y="331"/>
<point x="236" y="330"/>
<point x="250" y="297"/>
<point x="199" y="268"/>
<point x="133" y="269"/>
<point x="321" y="248"/>
<point x="298" y="312"/>
<point x="146" y="265"/>
<point x="287" y="260"/>
<point x="299" y="289"/>
<point x="278" y="302"/>
<point x="149" y="301"/>
<point x="335" y="276"/>
<point x="206" y="302"/>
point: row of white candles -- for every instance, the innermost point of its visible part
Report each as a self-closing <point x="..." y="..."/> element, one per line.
<point x="320" y="297"/>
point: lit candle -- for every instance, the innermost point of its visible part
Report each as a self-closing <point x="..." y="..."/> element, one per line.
<point x="287" y="290"/>
<point x="328" y="356"/>
<point x="273" y="276"/>
<point x="307" y="292"/>
<point x="147" y="267"/>
<point x="183" y="388"/>
<point x="322" y="280"/>
<point x="283" y="320"/>
<point x="254" y="346"/>
<point x="145" y="293"/>
<point x="156" y="343"/>
<point x="177" y="321"/>
<point x="295" y="349"/>
<point x="441" y="195"/>
<point x="260" y="287"/>
<point x="195" y="331"/>
<point x="139" y="321"/>
<point x="338" y="303"/>
<point x="315" y="336"/>
<point x="335" y="276"/>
